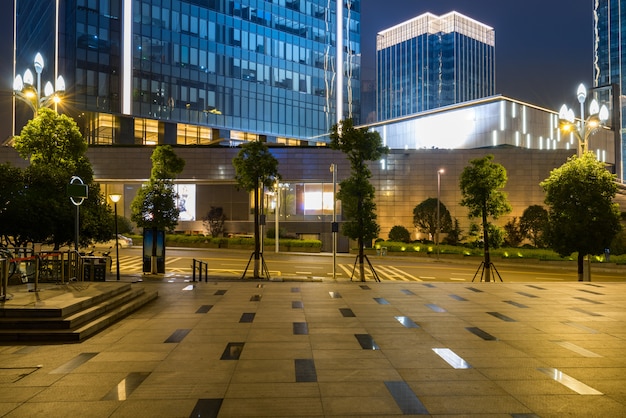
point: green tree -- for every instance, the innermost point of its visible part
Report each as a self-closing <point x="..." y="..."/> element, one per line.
<point x="399" y="233"/>
<point x="425" y="217"/>
<point x="582" y="215"/>
<point x="255" y="168"/>
<point x="455" y="234"/>
<point x="214" y="221"/>
<point x="480" y="185"/>
<point x="513" y="232"/>
<point x="12" y="219"/>
<point x="356" y="192"/>
<point x="154" y="207"/>
<point x="533" y="224"/>
<point x="56" y="150"/>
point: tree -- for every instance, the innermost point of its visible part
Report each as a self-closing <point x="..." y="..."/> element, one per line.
<point x="582" y="215"/>
<point x="533" y="224"/>
<point x="425" y="217"/>
<point x="56" y="150"/>
<point x="214" y="221"/>
<point x="356" y="192"/>
<point x="480" y="185"/>
<point x="455" y="234"/>
<point x="513" y="232"/>
<point x="154" y="207"/>
<point x="255" y="167"/>
<point x="399" y="233"/>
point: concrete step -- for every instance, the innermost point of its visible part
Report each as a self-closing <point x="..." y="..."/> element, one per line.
<point x="95" y="313"/>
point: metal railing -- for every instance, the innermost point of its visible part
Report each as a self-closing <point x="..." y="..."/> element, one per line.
<point x="199" y="265"/>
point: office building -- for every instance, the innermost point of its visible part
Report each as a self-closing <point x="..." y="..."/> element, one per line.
<point x="609" y="69"/>
<point x="432" y="61"/>
<point x="192" y="72"/>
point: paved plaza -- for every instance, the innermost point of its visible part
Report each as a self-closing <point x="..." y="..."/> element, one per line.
<point x="237" y="348"/>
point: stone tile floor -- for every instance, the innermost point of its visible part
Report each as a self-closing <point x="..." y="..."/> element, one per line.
<point x="337" y="349"/>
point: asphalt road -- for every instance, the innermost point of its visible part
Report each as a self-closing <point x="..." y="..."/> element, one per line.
<point x="232" y="263"/>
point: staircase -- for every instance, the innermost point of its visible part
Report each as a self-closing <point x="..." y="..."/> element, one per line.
<point x="68" y="313"/>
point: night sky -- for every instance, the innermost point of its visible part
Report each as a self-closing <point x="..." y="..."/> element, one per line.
<point x="544" y="49"/>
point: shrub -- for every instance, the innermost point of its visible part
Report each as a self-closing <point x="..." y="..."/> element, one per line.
<point x="400" y="234"/>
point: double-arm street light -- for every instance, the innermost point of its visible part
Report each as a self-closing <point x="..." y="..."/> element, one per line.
<point x="30" y="93"/>
<point x="582" y="132"/>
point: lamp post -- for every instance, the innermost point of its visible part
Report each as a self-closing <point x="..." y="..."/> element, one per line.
<point x="31" y="94"/>
<point x="597" y="116"/>
<point x="334" y="226"/>
<point x="439" y="173"/>
<point x="582" y="132"/>
<point x="116" y="198"/>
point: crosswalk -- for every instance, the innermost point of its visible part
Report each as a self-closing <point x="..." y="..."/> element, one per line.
<point x="134" y="264"/>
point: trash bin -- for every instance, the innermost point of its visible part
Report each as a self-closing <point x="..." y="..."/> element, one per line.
<point x="94" y="269"/>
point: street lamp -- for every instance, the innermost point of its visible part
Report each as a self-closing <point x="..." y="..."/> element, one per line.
<point x="116" y="198"/>
<point x="439" y="173"/>
<point x="31" y="94"/>
<point x="582" y="132"/>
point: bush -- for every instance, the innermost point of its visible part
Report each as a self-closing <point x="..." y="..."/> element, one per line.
<point x="400" y="234"/>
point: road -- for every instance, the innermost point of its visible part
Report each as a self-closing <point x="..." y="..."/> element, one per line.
<point x="231" y="263"/>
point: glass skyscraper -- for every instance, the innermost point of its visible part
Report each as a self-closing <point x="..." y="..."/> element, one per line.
<point x="609" y="64"/>
<point x="432" y="61"/>
<point x="198" y="72"/>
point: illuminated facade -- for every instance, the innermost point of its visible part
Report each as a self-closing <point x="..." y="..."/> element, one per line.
<point x="609" y="64"/>
<point x="432" y="61"/>
<point x="193" y="72"/>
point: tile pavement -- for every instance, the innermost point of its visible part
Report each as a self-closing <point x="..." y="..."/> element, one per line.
<point x="337" y="349"/>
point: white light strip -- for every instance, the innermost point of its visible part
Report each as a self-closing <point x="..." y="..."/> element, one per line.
<point x="127" y="56"/>
<point x="577" y="349"/>
<point x="339" y="53"/>
<point x="452" y="358"/>
<point x="568" y="381"/>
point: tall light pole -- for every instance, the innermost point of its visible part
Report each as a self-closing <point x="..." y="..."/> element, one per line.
<point x="582" y="132"/>
<point x="116" y="198"/>
<point x="439" y="173"/>
<point x="567" y="124"/>
<point x="334" y="226"/>
<point x="25" y="89"/>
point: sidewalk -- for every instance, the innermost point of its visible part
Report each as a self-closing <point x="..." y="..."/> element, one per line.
<point x="245" y="348"/>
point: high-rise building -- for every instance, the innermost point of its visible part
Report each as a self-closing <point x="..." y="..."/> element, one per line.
<point x="609" y="67"/>
<point x="433" y="61"/>
<point x="198" y="72"/>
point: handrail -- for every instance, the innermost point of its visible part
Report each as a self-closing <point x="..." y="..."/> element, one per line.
<point x="200" y="264"/>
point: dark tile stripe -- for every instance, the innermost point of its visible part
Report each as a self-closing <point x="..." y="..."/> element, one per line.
<point x="126" y="386"/>
<point x="300" y="328"/>
<point x="459" y="298"/>
<point x="429" y="285"/>
<point x="297" y="304"/>
<point x="305" y="370"/>
<point x="220" y="292"/>
<point x="204" y="308"/>
<point x="596" y="302"/>
<point x="435" y="308"/>
<point x="482" y="334"/>
<point x="381" y="301"/>
<point x="473" y="289"/>
<point x="74" y="363"/>
<point x="586" y="312"/>
<point x="247" y="317"/>
<point x="367" y="342"/>
<point x="347" y="312"/>
<point x="406" y="399"/>
<point x="255" y="298"/>
<point x="501" y="316"/>
<point x="232" y="351"/>
<point x="365" y="287"/>
<point x="206" y="408"/>
<point x="177" y="336"/>
<point x="295" y="290"/>
<point x="407" y="292"/>
<point x="528" y="295"/>
<point x="334" y="295"/>
<point x="591" y="291"/>
<point x="519" y="305"/>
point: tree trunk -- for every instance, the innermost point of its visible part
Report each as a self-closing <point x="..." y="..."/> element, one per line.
<point x="361" y="258"/>
<point x="581" y="263"/>
<point x="257" y="238"/>
<point x="487" y="271"/>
